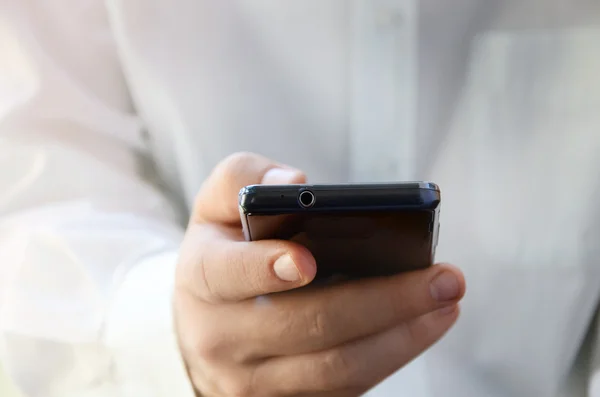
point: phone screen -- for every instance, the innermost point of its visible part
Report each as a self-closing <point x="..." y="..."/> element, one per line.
<point x="356" y="244"/>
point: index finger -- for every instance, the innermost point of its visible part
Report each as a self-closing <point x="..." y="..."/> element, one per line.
<point x="217" y="200"/>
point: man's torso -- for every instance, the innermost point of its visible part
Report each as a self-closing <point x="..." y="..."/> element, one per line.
<point x="497" y="101"/>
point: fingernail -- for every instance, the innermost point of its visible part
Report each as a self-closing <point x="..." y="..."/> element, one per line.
<point x="286" y="269"/>
<point x="445" y="287"/>
<point x="279" y="176"/>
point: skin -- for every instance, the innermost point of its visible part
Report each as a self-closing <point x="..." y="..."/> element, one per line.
<point x="246" y="329"/>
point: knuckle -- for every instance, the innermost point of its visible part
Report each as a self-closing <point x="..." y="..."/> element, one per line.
<point x="286" y="321"/>
<point x="335" y="370"/>
<point x="195" y="269"/>
<point x="225" y="381"/>
<point x="238" y="385"/>
<point x="223" y="177"/>
<point x="237" y="161"/>
<point x="210" y="346"/>
<point x="200" y="276"/>
<point x="187" y="263"/>
<point x="317" y="325"/>
<point x="240" y="156"/>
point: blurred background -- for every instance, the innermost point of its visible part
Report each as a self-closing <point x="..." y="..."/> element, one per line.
<point x="112" y="114"/>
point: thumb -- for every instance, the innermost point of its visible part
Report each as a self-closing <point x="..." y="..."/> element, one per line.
<point x="217" y="200"/>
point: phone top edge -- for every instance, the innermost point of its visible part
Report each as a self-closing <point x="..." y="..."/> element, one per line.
<point x="366" y="186"/>
<point x="277" y="199"/>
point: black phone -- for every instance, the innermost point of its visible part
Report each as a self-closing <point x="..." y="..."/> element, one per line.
<point x="353" y="230"/>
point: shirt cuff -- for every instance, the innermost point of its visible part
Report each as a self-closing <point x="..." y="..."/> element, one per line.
<point x="140" y="331"/>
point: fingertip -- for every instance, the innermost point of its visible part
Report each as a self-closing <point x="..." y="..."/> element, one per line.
<point x="217" y="200"/>
<point x="456" y="273"/>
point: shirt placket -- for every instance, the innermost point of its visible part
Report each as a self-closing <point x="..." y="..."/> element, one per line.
<point x="383" y="90"/>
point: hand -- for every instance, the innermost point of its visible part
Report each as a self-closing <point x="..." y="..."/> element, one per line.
<point x="246" y="330"/>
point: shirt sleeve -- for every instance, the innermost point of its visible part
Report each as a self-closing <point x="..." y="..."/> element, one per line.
<point x="88" y="241"/>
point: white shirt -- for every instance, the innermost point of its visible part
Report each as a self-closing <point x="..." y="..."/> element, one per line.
<point x="113" y="113"/>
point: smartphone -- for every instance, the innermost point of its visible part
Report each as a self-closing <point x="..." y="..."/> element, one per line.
<point x="353" y="230"/>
